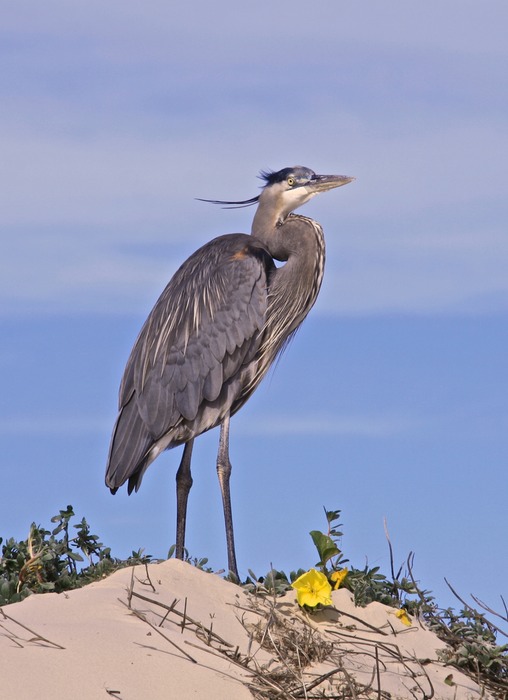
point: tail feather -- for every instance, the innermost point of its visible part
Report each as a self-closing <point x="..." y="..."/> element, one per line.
<point x="130" y="449"/>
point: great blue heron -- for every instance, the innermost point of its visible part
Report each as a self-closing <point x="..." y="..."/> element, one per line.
<point x="217" y="327"/>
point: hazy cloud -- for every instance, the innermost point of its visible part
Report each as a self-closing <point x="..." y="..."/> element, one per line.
<point x="114" y="118"/>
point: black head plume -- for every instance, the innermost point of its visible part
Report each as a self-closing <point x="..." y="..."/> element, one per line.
<point x="266" y="175"/>
<point x="231" y="205"/>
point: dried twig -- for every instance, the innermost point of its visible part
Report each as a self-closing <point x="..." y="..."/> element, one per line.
<point x="148" y="581"/>
<point x="362" y="622"/>
<point x="184" y="616"/>
<point x="493" y="612"/>
<point x="156" y="629"/>
<point x="189" y="620"/>
<point x="469" y="607"/>
<point x="36" y="637"/>
<point x="378" y="675"/>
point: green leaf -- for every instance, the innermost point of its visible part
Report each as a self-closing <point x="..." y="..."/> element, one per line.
<point x="325" y="546"/>
<point x="75" y="556"/>
<point x="332" y="515"/>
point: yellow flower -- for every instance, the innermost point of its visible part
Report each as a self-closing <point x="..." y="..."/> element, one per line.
<point x="403" y="617"/>
<point x="338" y="577"/>
<point x="312" y="588"/>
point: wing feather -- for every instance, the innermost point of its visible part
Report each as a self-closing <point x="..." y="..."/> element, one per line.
<point x="190" y="361"/>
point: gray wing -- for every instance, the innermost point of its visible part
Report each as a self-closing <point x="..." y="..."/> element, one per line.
<point x="193" y="357"/>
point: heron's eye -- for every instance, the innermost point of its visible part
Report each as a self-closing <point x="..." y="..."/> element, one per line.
<point x="290" y="181"/>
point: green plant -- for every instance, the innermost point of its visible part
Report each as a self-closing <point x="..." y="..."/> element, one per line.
<point x="52" y="560"/>
<point x="199" y="563"/>
<point x="366" y="584"/>
<point x="471" y="638"/>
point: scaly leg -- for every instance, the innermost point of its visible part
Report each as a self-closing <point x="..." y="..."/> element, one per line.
<point x="183" y="486"/>
<point x="224" y="472"/>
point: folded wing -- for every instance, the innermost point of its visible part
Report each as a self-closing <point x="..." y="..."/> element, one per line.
<point x="195" y="355"/>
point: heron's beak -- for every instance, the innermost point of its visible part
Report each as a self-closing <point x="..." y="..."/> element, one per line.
<point x="322" y="183"/>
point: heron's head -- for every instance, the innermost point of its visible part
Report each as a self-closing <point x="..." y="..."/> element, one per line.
<point x="289" y="188"/>
<point x="284" y="191"/>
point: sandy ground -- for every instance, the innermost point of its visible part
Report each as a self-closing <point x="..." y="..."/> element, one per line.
<point x="193" y="635"/>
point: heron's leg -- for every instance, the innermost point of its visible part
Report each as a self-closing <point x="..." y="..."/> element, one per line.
<point x="224" y="472"/>
<point x="183" y="486"/>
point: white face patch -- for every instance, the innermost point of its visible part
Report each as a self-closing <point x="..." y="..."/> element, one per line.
<point x="294" y="198"/>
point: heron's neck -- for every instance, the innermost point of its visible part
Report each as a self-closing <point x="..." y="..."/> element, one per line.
<point x="264" y="226"/>
<point x="301" y="242"/>
<point x="294" y="286"/>
<point x="298" y="238"/>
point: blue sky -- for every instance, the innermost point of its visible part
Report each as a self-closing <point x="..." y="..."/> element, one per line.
<point x="391" y="401"/>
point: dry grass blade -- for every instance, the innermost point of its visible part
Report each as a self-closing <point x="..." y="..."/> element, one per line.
<point x="185" y="617"/>
<point x="295" y="647"/>
<point x="156" y="629"/>
<point x="493" y="612"/>
<point x="36" y="637"/>
<point x="375" y="629"/>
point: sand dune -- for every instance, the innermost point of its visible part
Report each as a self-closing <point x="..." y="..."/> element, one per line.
<point x="198" y="636"/>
